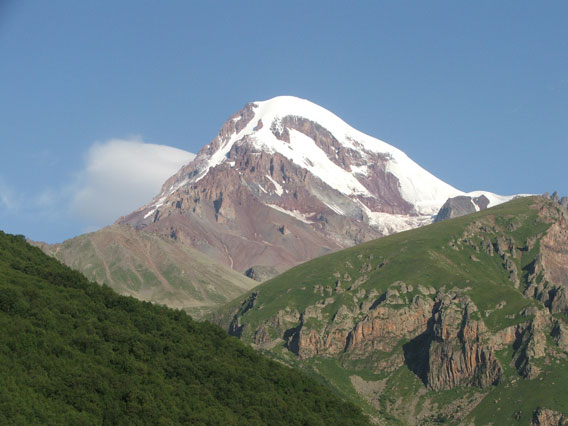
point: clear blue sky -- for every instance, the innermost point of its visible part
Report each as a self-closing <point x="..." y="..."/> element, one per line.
<point x="475" y="92"/>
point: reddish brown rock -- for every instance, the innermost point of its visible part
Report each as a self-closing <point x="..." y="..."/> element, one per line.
<point x="384" y="326"/>
<point x="460" y="353"/>
<point x="531" y="344"/>
<point x="547" y="417"/>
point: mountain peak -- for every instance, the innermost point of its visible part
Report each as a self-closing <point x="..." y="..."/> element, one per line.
<point x="281" y="106"/>
<point x="315" y="139"/>
<point x="288" y="156"/>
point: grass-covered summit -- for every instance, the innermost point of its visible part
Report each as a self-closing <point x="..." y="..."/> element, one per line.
<point x="72" y="352"/>
<point x="462" y="321"/>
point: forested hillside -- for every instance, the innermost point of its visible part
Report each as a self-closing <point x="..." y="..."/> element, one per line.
<point x="73" y="352"/>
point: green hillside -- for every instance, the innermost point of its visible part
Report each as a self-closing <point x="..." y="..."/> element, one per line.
<point x="73" y="352"/>
<point x="152" y="268"/>
<point x="460" y="321"/>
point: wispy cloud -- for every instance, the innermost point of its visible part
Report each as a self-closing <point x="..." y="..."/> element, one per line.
<point x="115" y="178"/>
<point x="8" y="198"/>
<point x="47" y="198"/>
<point x="119" y="176"/>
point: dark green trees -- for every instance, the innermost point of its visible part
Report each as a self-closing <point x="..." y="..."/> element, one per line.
<point x="72" y="352"/>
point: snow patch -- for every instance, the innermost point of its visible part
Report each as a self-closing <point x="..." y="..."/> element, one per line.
<point x="294" y="213"/>
<point x="360" y="170"/>
<point x="279" y="190"/>
<point x="177" y="186"/>
<point x="494" y="199"/>
<point x="387" y="223"/>
<point x="335" y="208"/>
<point x="160" y="202"/>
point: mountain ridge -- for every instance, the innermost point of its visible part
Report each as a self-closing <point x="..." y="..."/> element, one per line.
<point x="311" y="183"/>
<point x="420" y="187"/>
<point x="151" y="268"/>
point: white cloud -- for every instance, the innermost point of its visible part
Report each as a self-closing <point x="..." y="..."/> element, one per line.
<point x="120" y="176"/>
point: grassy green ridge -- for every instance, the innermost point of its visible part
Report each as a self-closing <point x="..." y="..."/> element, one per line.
<point x="73" y="352"/>
<point x="419" y="256"/>
<point x="515" y="401"/>
<point x="422" y="257"/>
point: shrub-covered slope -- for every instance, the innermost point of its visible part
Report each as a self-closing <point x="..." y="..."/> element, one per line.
<point x="72" y="352"/>
<point x="462" y="321"/>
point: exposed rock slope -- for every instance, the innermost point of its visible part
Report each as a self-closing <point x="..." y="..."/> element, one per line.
<point x="460" y="206"/>
<point x="546" y="417"/>
<point x="286" y="181"/>
<point x="466" y="305"/>
<point x="152" y="268"/>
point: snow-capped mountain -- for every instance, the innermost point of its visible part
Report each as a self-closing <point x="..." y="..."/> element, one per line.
<point x="286" y="180"/>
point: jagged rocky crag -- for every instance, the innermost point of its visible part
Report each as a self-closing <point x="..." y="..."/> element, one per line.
<point x="547" y="417"/>
<point x="461" y="320"/>
<point x="460" y="206"/>
<point x="286" y="181"/>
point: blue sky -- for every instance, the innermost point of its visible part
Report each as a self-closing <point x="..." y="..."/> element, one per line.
<point x="475" y="92"/>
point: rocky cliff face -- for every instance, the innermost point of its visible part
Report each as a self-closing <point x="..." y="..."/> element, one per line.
<point x="285" y="181"/>
<point x="547" y="417"/>
<point x="548" y="273"/>
<point x="449" y="345"/>
<point x="460" y="352"/>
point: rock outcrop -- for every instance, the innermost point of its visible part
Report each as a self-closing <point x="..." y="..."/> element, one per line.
<point x="460" y="206"/>
<point x="547" y="417"/>
<point x="560" y="334"/>
<point x="460" y="352"/>
<point x="260" y="273"/>
<point x="236" y="328"/>
<point x="449" y="345"/>
<point x="384" y="326"/>
<point x="531" y="345"/>
<point x="548" y="273"/>
<point x="563" y="201"/>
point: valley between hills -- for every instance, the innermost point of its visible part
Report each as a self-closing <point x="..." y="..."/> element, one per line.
<point x="336" y="281"/>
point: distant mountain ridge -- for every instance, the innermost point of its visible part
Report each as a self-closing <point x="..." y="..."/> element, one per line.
<point x="285" y="181"/>
<point x="151" y="268"/>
